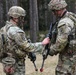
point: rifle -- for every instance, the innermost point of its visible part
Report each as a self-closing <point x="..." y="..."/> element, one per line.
<point x="46" y="51"/>
<point x="32" y="57"/>
<point x="45" y="55"/>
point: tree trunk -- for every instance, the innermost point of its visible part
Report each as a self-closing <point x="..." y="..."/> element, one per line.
<point x="33" y="20"/>
<point x="75" y="6"/>
<point x="1" y="13"/>
<point x="46" y="13"/>
<point x="7" y="8"/>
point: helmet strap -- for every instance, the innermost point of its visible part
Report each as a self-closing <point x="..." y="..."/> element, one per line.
<point x="64" y="12"/>
<point x="21" y="22"/>
<point x="14" y="20"/>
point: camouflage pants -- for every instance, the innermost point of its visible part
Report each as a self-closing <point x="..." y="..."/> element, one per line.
<point x="19" y="68"/>
<point x="61" y="71"/>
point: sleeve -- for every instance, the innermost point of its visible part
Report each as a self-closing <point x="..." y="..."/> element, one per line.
<point x="62" y="39"/>
<point x="27" y="46"/>
<point x="22" y="42"/>
<point x="20" y="39"/>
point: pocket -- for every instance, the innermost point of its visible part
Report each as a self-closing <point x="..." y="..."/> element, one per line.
<point x="8" y="65"/>
<point x="63" y="71"/>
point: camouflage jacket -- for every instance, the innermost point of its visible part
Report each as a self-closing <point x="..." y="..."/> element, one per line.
<point x="62" y="45"/>
<point x="64" y="27"/>
<point x="17" y="42"/>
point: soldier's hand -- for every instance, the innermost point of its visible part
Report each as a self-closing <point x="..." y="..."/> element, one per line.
<point x="32" y="56"/>
<point x="46" y="41"/>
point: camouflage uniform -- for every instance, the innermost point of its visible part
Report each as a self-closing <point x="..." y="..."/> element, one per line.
<point x="17" y="44"/>
<point x="16" y="34"/>
<point x="60" y="43"/>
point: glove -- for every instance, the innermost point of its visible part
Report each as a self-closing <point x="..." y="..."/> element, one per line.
<point x="32" y="56"/>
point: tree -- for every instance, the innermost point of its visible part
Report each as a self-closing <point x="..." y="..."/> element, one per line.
<point x="33" y="20"/>
<point x="1" y="13"/>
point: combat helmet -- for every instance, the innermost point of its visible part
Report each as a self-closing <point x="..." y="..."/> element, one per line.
<point x="16" y="11"/>
<point x="57" y="4"/>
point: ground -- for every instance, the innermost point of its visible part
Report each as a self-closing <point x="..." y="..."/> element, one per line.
<point x="49" y="67"/>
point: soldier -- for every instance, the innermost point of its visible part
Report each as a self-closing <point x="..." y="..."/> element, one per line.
<point x="62" y="38"/>
<point x="17" y="44"/>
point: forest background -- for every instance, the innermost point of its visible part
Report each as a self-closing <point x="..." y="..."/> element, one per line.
<point x="37" y="22"/>
<point x="38" y="16"/>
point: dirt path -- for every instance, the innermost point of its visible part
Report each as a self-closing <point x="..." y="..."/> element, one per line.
<point x="49" y="67"/>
